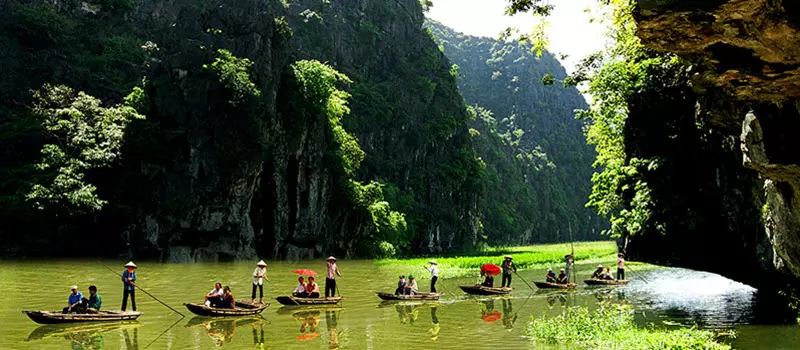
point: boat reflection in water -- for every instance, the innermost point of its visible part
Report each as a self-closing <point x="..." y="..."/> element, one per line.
<point x="433" y="332"/>
<point x="332" y="322"/>
<point x="487" y="311"/>
<point x="221" y="330"/>
<point x="88" y="336"/>
<point x="309" y="321"/>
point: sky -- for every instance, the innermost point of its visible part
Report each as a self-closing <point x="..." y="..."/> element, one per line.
<point x="569" y="30"/>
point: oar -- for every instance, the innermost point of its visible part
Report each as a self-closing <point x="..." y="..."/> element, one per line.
<point x="162" y="333"/>
<point x="637" y="274"/>
<point x="523" y="280"/>
<point x="145" y="292"/>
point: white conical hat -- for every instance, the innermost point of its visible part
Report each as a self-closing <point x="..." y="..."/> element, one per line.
<point x="432" y="262"/>
<point x="130" y="264"/>
<point x="508" y="256"/>
<point x="261" y="263"/>
<point x="331" y="258"/>
<point x="74" y="287"/>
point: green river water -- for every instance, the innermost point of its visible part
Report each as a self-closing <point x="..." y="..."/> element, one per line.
<point x="670" y="297"/>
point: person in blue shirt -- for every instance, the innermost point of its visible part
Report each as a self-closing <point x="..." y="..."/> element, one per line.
<point x="74" y="301"/>
<point x="128" y="286"/>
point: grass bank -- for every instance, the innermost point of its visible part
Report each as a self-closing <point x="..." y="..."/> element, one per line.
<point x="526" y="257"/>
<point x="613" y="327"/>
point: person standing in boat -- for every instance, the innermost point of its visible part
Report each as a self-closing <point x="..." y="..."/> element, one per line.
<point x="94" y="302"/>
<point x="259" y="274"/>
<point x="300" y="291"/>
<point x="74" y="301"/>
<point x="621" y="266"/>
<point x="508" y="266"/>
<point x="129" y="285"/>
<point x="551" y="276"/>
<point x="569" y="261"/>
<point x="312" y="289"/>
<point x="330" y="278"/>
<point x="434" y="270"/>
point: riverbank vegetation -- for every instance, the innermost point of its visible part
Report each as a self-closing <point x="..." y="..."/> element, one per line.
<point x="525" y="257"/>
<point x="613" y="327"/>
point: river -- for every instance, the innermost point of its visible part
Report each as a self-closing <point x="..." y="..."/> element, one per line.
<point x="670" y="297"/>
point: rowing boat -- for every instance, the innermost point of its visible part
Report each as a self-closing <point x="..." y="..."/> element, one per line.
<point x="54" y="317"/>
<point x="240" y="309"/>
<point x="290" y="300"/>
<point x="606" y="282"/>
<point x="550" y="285"/>
<point x="418" y="296"/>
<point x="481" y="290"/>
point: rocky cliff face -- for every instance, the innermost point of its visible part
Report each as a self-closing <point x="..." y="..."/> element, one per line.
<point x="748" y="76"/>
<point x="204" y="179"/>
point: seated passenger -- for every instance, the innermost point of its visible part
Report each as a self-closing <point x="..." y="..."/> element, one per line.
<point x="411" y="287"/>
<point x="74" y="301"/>
<point x="312" y="289"/>
<point x="551" y="276"/>
<point x="228" y="301"/>
<point x="300" y="291"/>
<point x="562" y="277"/>
<point x="607" y="275"/>
<point x="488" y="281"/>
<point x="214" y="297"/>
<point x="598" y="274"/>
<point x="94" y="302"/>
<point x="401" y="285"/>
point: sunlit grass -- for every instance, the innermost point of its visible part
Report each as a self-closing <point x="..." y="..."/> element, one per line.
<point x="613" y="327"/>
<point x="526" y="257"/>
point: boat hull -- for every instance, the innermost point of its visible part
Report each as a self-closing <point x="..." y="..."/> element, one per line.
<point x="419" y="296"/>
<point x="291" y="301"/>
<point x="606" y="282"/>
<point x="549" y="285"/>
<point x="55" y="317"/>
<point x="242" y="309"/>
<point x="481" y="290"/>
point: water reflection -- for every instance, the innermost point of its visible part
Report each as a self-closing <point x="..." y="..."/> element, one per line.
<point x="433" y="332"/>
<point x="509" y="317"/>
<point x="222" y="330"/>
<point x="87" y="336"/>
<point x="332" y="322"/>
<point x="487" y="311"/>
<point x="309" y="321"/>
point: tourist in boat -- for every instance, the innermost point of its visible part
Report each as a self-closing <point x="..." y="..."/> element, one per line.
<point x="562" y="277"/>
<point x="488" y="281"/>
<point x="411" y="287"/>
<point x="621" y="266"/>
<point x="607" y="275"/>
<point x="551" y="276"/>
<point x="228" y="302"/>
<point x="214" y="297"/>
<point x="300" y="291"/>
<point x="312" y="289"/>
<point x="507" y="266"/>
<point x="259" y="274"/>
<point x="129" y="285"/>
<point x="598" y="274"/>
<point x="94" y="302"/>
<point x="330" y="278"/>
<point x="401" y="285"/>
<point x="434" y="270"/>
<point x="74" y="301"/>
<point x="569" y="261"/>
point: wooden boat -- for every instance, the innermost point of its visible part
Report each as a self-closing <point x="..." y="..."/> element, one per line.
<point x="290" y="300"/>
<point x="606" y="282"/>
<point x="54" y="317"/>
<point x="481" y="290"/>
<point x="240" y="309"/>
<point x="550" y="285"/>
<point x="418" y="296"/>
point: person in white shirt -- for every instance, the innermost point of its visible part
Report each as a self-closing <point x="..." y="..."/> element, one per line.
<point x="214" y="297"/>
<point x="259" y="274"/>
<point x="411" y="286"/>
<point x="434" y="270"/>
<point x="300" y="291"/>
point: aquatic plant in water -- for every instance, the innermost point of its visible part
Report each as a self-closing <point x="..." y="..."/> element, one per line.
<point x="613" y="327"/>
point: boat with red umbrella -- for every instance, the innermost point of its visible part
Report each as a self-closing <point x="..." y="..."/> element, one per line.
<point x="305" y="272"/>
<point x="491" y="269"/>
<point x="478" y="289"/>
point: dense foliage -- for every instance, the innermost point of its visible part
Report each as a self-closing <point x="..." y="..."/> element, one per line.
<point x="613" y="327"/>
<point x="537" y="162"/>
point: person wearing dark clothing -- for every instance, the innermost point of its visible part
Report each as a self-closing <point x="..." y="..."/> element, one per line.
<point x="562" y="277"/>
<point x="488" y="281"/>
<point x="507" y="266"/>
<point x="129" y="286"/>
<point x="621" y="266"/>
<point x="551" y="276"/>
<point x="598" y="274"/>
<point x="94" y="302"/>
<point x="228" y="301"/>
<point x="330" y="277"/>
<point x="401" y="286"/>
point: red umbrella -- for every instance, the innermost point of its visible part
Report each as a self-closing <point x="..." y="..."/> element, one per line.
<point x="305" y="272"/>
<point x="491" y="269"/>
<point x="308" y="336"/>
<point x="492" y="317"/>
